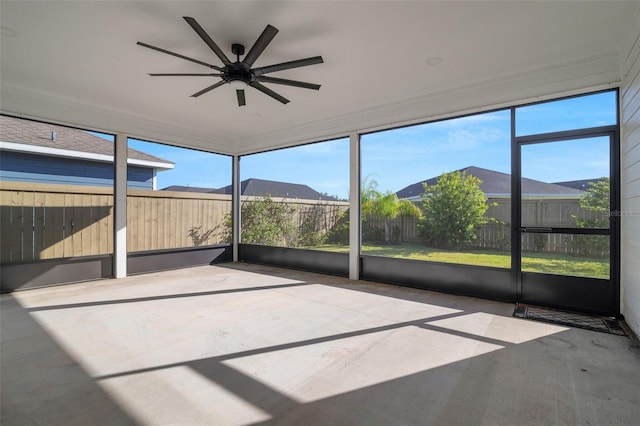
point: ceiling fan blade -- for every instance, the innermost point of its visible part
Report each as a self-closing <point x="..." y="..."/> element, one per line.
<point x="177" y="55"/>
<point x="204" y="36"/>
<point x="258" y="47"/>
<point x="208" y="89"/>
<point x="287" y="82"/>
<point x="269" y="92"/>
<point x="241" y="100"/>
<point x="183" y="75"/>
<point x="288" y="65"/>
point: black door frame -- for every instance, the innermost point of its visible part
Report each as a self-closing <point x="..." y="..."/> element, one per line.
<point x="561" y="290"/>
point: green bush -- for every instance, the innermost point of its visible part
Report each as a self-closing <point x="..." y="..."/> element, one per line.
<point x="311" y="232"/>
<point x="453" y="208"/>
<point x="339" y="233"/>
<point x="596" y="199"/>
<point x="264" y="222"/>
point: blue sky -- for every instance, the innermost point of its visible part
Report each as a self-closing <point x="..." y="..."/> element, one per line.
<point x="400" y="157"/>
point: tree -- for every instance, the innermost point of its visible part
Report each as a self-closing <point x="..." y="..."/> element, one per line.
<point x="453" y="208"/>
<point x="264" y="222"/>
<point x="386" y="206"/>
<point x="311" y="232"/>
<point x="596" y="199"/>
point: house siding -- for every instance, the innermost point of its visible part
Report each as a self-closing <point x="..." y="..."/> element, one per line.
<point x="21" y="167"/>
<point x="630" y="178"/>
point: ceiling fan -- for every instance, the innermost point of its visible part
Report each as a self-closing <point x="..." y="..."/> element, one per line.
<point x="240" y="74"/>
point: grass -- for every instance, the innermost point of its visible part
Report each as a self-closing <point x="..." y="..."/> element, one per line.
<point x="555" y="263"/>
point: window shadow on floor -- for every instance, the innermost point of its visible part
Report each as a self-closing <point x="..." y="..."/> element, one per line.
<point x="41" y="383"/>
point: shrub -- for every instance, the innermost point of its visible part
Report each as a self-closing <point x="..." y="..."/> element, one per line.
<point x="311" y="232"/>
<point x="453" y="208"/>
<point x="264" y="222"/>
<point x="339" y="233"/>
<point x="596" y="200"/>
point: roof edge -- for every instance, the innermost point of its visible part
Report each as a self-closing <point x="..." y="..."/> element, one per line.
<point x="67" y="153"/>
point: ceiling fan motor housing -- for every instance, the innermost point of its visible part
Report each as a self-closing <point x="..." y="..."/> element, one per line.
<point x="237" y="72"/>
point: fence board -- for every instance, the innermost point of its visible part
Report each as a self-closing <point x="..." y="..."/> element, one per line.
<point x="110" y="226"/>
<point x="172" y="218"/>
<point x="56" y="238"/>
<point x="39" y="205"/>
<point x="153" y="219"/>
<point x="11" y="226"/>
<point x="180" y="213"/>
<point x="5" y="226"/>
<point x="17" y="232"/>
<point x="71" y="240"/>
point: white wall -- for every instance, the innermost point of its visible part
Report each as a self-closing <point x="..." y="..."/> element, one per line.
<point x="630" y="179"/>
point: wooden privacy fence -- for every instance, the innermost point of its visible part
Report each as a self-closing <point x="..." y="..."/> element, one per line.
<point x="496" y="234"/>
<point x="158" y="220"/>
<point x="42" y="221"/>
<point x="45" y="221"/>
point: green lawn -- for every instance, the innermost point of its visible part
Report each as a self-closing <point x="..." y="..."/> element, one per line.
<point x="531" y="262"/>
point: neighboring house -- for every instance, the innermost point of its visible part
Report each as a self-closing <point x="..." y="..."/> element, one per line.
<point x="31" y="151"/>
<point x="260" y="187"/>
<point x="583" y="184"/>
<point x="180" y="188"/>
<point x="496" y="185"/>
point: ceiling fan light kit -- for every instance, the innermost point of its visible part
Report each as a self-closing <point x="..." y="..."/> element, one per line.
<point x="240" y="74"/>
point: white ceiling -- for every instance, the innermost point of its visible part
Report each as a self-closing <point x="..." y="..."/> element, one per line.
<point x="386" y="62"/>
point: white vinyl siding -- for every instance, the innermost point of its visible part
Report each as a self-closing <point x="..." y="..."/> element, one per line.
<point x="630" y="178"/>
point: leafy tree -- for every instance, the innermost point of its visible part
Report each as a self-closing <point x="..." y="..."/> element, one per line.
<point x="264" y="222"/>
<point x="596" y="199"/>
<point x="453" y="208"/>
<point x="311" y="232"/>
<point x="339" y="233"/>
<point x="387" y="206"/>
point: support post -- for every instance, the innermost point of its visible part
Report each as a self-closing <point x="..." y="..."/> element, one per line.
<point x="236" y="206"/>
<point x="120" y="207"/>
<point x="354" y="206"/>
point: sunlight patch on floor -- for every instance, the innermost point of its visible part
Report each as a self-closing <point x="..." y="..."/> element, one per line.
<point x="507" y="329"/>
<point x="330" y="368"/>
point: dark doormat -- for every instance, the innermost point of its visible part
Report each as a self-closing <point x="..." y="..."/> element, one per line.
<point x="569" y="319"/>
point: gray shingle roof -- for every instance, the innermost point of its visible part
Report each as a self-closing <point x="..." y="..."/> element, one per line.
<point x="495" y="183"/>
<point x="197" y="189"/>
<point x="260" y="187"/>
<point x="27" y="132"/>
<point x="583" y="184"/>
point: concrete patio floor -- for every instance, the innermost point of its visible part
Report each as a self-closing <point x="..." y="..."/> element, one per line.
<point x="245" y="344"/>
